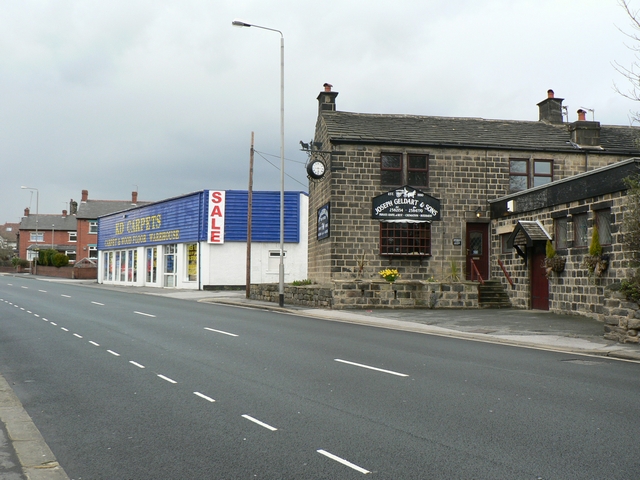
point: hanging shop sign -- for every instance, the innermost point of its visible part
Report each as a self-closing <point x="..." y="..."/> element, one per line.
<point x="406" y="205"/>
<point x="216" y="216"/>
<point x="323" y="222"/>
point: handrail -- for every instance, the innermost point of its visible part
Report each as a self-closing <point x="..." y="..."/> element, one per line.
<point x="474" y="268"/>
<point x="504" y="270"/>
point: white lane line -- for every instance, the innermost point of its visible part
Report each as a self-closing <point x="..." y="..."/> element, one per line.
<point x="65" y="296"/>
<point x="220" y="331"/>
<point x="262" y="424"/>
<point x="45" y="319"/>
<point x="113" y="353"/>
<point x="145" y="314"/>
<point x="167" y="379"/>
<point x="24" y="287"/>
<point x="371" y="368"/>
<point x="343" y="461"/>
<point x="136" y="364"/>
<point x="201" y="395"/>
<point x="36" y="315"/>
<point x="29" y="311"/>
<point x="52" y="323"/>
<point x="98" y="303"/>
<point x="76" y="335"/>
<point x="22" y="309"/>
<point x="43" y="291"/>
<point x="65" y="329"/>
<point x="10" y="284"/>
<point x="94" y="343"/>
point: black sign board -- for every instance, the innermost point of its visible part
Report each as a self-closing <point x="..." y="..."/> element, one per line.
<point x="323" y="222"/>
<point x="405" y="204"/>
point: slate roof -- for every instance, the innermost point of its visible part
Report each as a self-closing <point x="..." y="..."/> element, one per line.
<point x="8" y="231"/>
<point x="47" y="222"/>
<point x="347" y="127"/>
<point x="526" y="232"/>
<point x="92" y="209"/>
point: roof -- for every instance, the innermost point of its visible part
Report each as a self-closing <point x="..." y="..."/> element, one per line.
<point x="9" y="231"/>
<point x="92" y="209"/>
<point x="526" y="232"/>
<point x="49" y="222"/>
<point x="347" y="127"/>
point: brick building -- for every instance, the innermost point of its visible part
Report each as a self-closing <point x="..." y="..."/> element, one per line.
<point x="427" y="164"/>
<point x="566" y="212"/>
<point x="46" y="231"/>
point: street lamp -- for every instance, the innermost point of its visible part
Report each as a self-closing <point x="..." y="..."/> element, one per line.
<point x="239" y="23"/>
<point x="37" y="208"/>
<point x="53" y="234"/>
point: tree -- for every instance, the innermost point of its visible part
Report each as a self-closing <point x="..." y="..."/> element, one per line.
<point x="632" y="72"/>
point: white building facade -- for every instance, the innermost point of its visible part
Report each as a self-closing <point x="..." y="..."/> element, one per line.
<point x="199" y="241"/>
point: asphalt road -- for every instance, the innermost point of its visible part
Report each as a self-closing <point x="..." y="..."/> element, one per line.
<point x="126" y="386"/>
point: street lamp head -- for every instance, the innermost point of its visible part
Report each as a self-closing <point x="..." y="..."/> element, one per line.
<point x="240" y="23"/>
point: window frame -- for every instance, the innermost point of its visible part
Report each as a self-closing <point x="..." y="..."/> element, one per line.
<point x="93" y="227"/>
<point x="398" y="176"/>
<point x="577" y="220"/>
<point x="73" y="236"/>
<point x="542" y="175"/>
<point x="36" y="237"/>
<point x="513" y="173"/>
<point x="561" y="236"/>
<point x="604" y="234"/>
<point x="411" y="240"/>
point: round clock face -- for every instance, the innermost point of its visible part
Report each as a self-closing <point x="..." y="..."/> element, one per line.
<point x="316" y="169"/>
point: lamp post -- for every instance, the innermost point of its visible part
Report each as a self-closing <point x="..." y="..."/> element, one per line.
<point x="37" y="208"/>
<point x="238" y="23"/>
<point x="53" y="234"/>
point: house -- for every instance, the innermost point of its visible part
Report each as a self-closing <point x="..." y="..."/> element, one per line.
<point x="413" y="192"/>
<point x="9" y="236"/>
<point x="199" y="241"/>
<point x="87" y="213"/>
<point x="566" y="212"/>
<point x="47" y="231"/>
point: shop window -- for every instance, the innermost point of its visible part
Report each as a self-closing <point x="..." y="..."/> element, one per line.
<point x="170" y="265"/>
<point x="111" y="261"/>
<point x="561" y="232"/>
<point x="123" y="265"/>
<point x="580" y="230"/>
<point x="603" y="220"/>
<point x="93" y="226"/>
<point x="152" y="264"/>
<point x="398" y="169"/>
<point x="105" y="266"/>
<point x="192" y="262"/>
<point x="73" y="236"/>
<point x="402" y="239"/>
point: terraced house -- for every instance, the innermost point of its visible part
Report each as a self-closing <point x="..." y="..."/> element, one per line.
<point x="436" y="176"/>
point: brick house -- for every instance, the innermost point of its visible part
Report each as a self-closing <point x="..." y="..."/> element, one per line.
<point x="45" y="231"/>
<point x="454" y="166"/>
<point x="87" y="213"/>
<point x="9" y="236"/>
<point x="566" y="212"/>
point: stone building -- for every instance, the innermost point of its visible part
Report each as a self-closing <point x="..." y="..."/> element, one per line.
<point x="439" y="175"/>
<point x="566" y="212"/>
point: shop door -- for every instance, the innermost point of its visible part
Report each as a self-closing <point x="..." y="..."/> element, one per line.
<point x="478" y="249"/>
<point x="539" y="281"/>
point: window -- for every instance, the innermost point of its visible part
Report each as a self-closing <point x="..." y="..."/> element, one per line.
<point x="152" y="264"/>
<point x="405" y="239"/>
<point x="580" y="230"/>
<point x="192" y="262"/>
<point x="36" y="237"/>
<point x="404" y="169"/>
<point x="170" y="265"/>
<point x="519" y="173"/>
<point x="561" y="233"/>
<point x="603" y="221"/>
<point x="93" y="226"/>
<point x="542" y="172"/>
<point x="93" y="251"/>
<point x="273" y="263"/>
<point x="73" y="236"/>
<point x="504" y="247"/>
<point x="72" y="255"/>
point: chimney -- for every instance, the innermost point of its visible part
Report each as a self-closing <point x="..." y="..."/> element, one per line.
<point x="64" y="214"/>
<point x="551" y="109"/>
<point x="73" y="207"/>
<point x="85" y="196"/>
<point x="327" y="99"/>
<point x="134" y="198"/>
<point x="26" y="212"/>
<point x="584" y="132"/>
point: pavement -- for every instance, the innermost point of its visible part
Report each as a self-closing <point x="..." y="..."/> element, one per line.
<point x="25" y="456"/>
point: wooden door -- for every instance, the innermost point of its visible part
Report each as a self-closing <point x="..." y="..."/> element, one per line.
<point x="539" y="280"/>
<point x="478" y="249"/>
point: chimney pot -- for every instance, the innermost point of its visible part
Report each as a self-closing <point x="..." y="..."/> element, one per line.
<point x="582" y="115"/>
<point x="327" y="87"/>
<point x="134" y="198"/>
<point x="550" y="94"/>
<point x="64" y="213"/>
<point x="85" y="196"/>
<point x="26" y="212"/>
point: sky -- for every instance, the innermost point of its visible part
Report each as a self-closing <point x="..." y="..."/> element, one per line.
<point x="161" y="97"/>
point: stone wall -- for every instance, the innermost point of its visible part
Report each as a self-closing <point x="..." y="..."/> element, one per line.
<point x="361" y="294"/>
<point x="621" y="318"/>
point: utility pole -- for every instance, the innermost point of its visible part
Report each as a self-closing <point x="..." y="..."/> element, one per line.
<point x="249" y="209"/>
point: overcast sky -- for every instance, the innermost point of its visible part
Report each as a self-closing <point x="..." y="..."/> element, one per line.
<point x="162" y="96"/>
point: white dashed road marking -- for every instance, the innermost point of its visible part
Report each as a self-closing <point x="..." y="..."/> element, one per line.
<point x="343" y="461"/>
<point x="262" y="424"/>
<point x="371" y="368"/>
<point x="220" y="331"/>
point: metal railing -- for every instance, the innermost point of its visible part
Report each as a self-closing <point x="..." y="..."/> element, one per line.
<point x="506" y="274"/>
<point x="474" y="269"/>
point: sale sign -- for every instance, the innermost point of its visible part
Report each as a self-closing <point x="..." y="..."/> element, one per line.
<point x="216" y="216"/>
